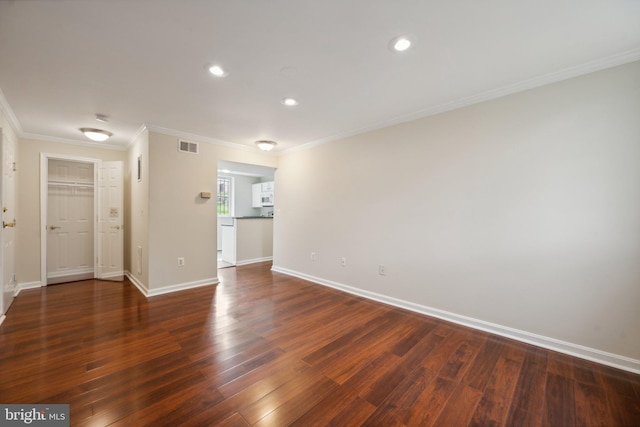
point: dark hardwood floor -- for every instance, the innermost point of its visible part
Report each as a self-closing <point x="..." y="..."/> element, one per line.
<point x="264" y="349"/>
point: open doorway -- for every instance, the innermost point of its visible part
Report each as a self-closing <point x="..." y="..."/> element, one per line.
<point x="244" y="213"/>
<point x="81" y="219"/>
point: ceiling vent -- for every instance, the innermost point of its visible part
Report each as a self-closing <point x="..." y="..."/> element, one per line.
<point x="188" y="147"/>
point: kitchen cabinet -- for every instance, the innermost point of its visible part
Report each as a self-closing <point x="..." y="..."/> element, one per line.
<point x="256" y="195"/>
<point x="262" y="194"/>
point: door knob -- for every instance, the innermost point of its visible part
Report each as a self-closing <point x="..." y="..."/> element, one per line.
<point x="117" y="227"/>
<point x="53" y="227"/>
<point x="8" y="224"/>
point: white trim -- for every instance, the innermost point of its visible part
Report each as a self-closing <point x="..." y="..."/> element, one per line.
<point x="253" y="261"/>
<point x="546" y="79"/>
<point x="28" y="285"/>
<point x="199" y="138"/>
<point x="138" y="284"/>
<point x="2" y="318"/>
<point x="182" y="286"/>
<point x="577" y="350"/>
<point x="135" y="136"/>
<point x="78" y="142"/>
<point x="44" y="191"/>
<point x="87" y="270"/>
<point x="111" y="275"/>
<point x="9" y="114"/>
<point x="171" y="288"/>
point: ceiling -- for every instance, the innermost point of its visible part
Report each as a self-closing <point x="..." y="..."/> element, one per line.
<point x="144" y="62"/>
<point x="255" y="171"/>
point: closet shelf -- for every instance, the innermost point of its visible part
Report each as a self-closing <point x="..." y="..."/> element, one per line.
<point x="70" y="183"/>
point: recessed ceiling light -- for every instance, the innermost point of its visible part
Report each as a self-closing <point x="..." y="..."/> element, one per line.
<point x="96" y="134"/>
<point x="266" y="145"/>
<point x="400" y="44"/>
<point x="289" y="102"/>
<point x="217" y="71"/>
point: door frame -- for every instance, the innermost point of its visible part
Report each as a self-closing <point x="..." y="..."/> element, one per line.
<point x="44" y="198"/>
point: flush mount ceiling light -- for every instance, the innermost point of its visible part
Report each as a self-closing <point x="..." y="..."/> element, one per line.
<point x="96" y="134"/>
<point x="266" y="145"/>
<point x="399" y="44"/>
<point x="217" y="70"/>
<point x="289" y="102"/>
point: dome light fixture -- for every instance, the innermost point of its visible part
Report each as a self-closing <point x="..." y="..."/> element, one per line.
<point x="266" y="145"/>
<point x="399" y="44"/>
<point x="96" y="134"/>
<point x="217" y="71"/>
<point x="289" y="102"/>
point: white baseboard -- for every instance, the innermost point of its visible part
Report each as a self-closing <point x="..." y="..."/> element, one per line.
<point x="172" y="288"/>
<point x="119" y="274"/>
<point x="2" y="318"/>
<point x="253" y="261"/>
<point x="74" y="272"/>
<point x="592" y="354"/>
<point x="28" y="285"/>
<point x="138" y="284"/>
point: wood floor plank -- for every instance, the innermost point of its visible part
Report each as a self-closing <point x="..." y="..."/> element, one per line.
<point x="397" y="405"/>
<point x="262" y="348"/>
<point x="354" y="413"/>
<point x="430" y="403"/>
<point x="493" y="408"/>
<point x="592" y="408"/>
<point x="460" y="407"/>
<point x="559" y="404"/>
<point x="377" y="392"/>
<point x="333" y="406"/>
<point x="528" y="402"/>
<point x="478" y="374"/>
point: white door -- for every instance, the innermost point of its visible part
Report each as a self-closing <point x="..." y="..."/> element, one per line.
<point x="69" y="221"/>
<point x="7" y="239"/>
<point x="110" y="215"/>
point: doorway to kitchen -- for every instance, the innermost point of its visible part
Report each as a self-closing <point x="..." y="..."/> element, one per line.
<point x="244" y="213"/>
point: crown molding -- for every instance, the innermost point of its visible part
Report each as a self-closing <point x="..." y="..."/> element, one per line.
<point x="546" y="79"/>
<point x="6" y="109"/>
<point x="135" y="136"/>
<point x="198" y="138"/>
<point x="47" y="138"/>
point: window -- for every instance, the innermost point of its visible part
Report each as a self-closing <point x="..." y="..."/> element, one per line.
<point x="224" y="196"/>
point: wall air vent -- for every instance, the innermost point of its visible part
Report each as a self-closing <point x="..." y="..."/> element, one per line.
<point x="188" y="147"/>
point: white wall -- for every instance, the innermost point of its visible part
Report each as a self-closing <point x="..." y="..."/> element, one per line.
<point x="137" y="210"/>
<point x="522" y="211"/>
<point x="181" y="224"/>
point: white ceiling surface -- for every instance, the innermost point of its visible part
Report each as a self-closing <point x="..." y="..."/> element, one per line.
<point x="245" y="169"/>
<point x="143" y="62"/>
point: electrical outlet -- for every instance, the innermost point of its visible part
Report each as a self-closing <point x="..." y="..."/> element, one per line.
<point x="313" y="256"/>
<point x="343" y="261"/>
<point x="382" y="270"/>
<point x="181" y="261"/>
